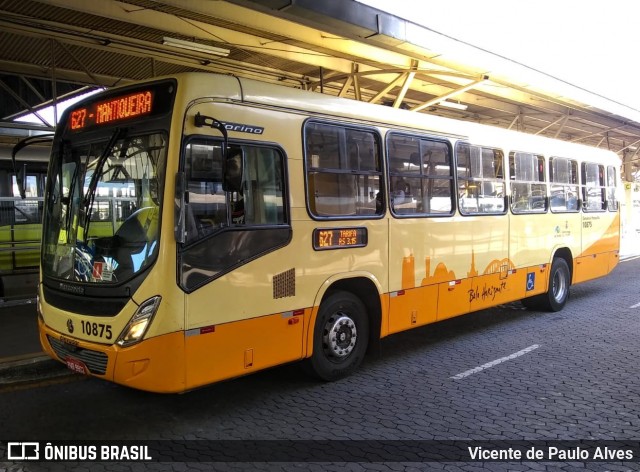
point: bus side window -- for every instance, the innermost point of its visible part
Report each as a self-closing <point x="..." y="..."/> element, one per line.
<point x="343" y="170"/>
<point x="528" y="183"/>
<point x="481" y="182"/>
<point x="206" y="202"/>
<point x="593" y="187"/>
<point x="257" y="200"/>
<point x="612" y="183"/>
<point x="563" y="175"/>
<point x="230" y="228"/>
<point x="263" y="199"/>
<point x="420" y="176"/>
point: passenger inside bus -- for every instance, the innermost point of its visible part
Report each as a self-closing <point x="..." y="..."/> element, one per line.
<point x="401" y="191"/>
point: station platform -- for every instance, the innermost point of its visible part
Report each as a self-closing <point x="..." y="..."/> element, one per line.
<point x="22" y="359"/>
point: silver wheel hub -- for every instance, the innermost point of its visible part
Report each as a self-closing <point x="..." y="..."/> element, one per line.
<point x="559" y="286"/>
<point x="339" y="336"/>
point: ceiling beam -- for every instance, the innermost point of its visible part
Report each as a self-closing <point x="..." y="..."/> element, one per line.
<point x="23" y="102"/>
<point x="450" y="94"/>
<point x="394" y="68"/>
<point x="562" y="118"/>
<point x="394" y="83"/>
<point x="405" y="86"/>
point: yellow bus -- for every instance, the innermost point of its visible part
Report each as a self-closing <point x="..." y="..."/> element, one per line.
<point x="265" y="225"/>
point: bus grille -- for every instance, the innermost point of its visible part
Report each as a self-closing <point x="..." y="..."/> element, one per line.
<point x="95" y="361"/>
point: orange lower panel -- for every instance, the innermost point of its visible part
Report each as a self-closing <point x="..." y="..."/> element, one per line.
<point x="155" y="365"/>
<point x="453" y="298"/>
<point x="490" y="290"/>
<point x="591" y="267"/>
<point x="423" y="305"/>
<point x="614" y="258"/>
<point x="242" y="347"/>
<point x="181" y="361"/>
<point x="495" y="289"/>
<point x="411" y="308"/>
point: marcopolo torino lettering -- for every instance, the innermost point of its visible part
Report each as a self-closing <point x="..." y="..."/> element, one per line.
<point x="242" y="128"/>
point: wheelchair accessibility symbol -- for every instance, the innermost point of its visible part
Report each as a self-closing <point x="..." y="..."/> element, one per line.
<point x="531" y="281"/>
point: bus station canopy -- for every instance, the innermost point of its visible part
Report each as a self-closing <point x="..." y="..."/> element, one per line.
<point x="53" y="50"/>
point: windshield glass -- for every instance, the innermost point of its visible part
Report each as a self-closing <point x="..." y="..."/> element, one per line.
<point x="102" y="208"/>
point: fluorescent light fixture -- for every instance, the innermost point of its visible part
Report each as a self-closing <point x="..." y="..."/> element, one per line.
<point x="457" y="106"/>
<point x="191" y="46"/>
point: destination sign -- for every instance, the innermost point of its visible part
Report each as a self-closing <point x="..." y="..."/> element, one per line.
<point x="339" y="238"/>
<point x="113" y="110"/>
<point x="128" y="106"/>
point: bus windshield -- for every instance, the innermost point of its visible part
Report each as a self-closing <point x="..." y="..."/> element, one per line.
<point x="102" y="207"/>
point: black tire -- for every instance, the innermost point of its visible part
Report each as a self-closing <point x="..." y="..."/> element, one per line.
<point x="558" y="293"/>
<point x="340" y="337"/>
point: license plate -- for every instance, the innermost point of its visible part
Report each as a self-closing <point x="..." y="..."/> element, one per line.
<point x="76" y="365"/>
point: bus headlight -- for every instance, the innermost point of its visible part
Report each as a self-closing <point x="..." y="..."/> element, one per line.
<point x="140" y="322"/>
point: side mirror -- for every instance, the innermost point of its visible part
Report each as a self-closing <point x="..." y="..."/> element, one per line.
<point x="179" y="226"/>
<point x="21" y="180"/>
<point x="21" y="173"/>
<point x="233" y="168"/>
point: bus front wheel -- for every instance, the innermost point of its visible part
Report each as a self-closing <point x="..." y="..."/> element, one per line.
<point x="558" y="293"/>
<point x="340" y="336"/>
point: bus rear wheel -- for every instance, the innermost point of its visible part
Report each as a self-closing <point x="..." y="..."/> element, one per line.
<point x="558" y="293"/>
<point x="340" y="337"/>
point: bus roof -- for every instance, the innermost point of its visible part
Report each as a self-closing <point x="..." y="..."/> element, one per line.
<point x="233" y="88"/>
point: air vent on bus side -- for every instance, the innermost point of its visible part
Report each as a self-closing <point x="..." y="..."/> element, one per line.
<point x="284" y="284"/>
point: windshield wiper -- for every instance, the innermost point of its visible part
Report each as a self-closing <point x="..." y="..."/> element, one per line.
<point x="91" y="191"/>
<point x="69" y="199"/>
